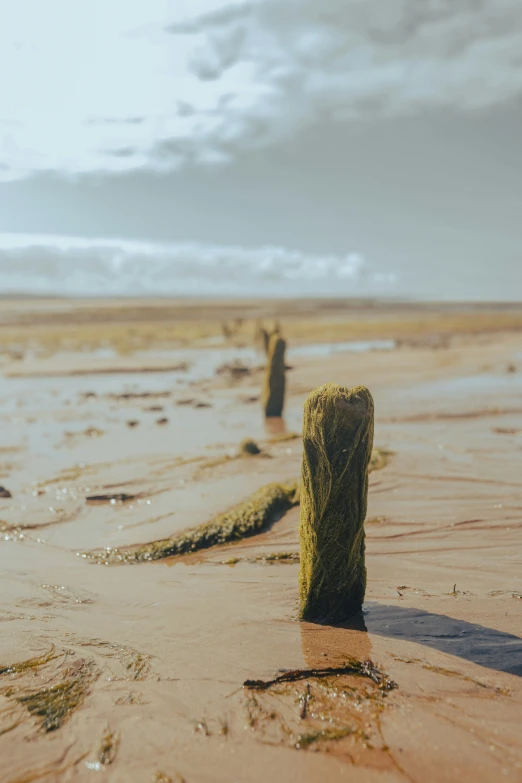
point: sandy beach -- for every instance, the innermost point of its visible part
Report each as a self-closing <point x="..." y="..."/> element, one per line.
<point x="121" y="426"/>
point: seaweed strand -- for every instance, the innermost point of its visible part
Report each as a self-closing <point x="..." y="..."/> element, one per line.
<point x="362" y="669"/>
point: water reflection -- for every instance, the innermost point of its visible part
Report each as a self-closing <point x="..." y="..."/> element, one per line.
<point x="275" y="426"/>
<point x="331" y="645"/>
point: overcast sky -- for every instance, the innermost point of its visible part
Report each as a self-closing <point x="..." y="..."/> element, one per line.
<point x="372" y="145"/>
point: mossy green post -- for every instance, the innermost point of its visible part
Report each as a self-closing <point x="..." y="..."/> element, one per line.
<point x="265" y="339"/>
<point x="275" y="381"/>
<point x="258" y="329"/>
<point x="337" y="446"/>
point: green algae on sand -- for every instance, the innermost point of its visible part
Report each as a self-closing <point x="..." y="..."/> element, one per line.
<point x="51" y="704"/>
<point x="332" y="708"/>
<point x="379" y="459"/>
<point x="30" y="663"/>
<point x="108" y="747"/>
<point x="337" y="448"/>
<point x="246" y="519"/>
<point x="275" y="377"/>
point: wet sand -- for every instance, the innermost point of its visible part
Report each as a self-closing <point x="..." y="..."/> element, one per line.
<point x="154" y="655"/>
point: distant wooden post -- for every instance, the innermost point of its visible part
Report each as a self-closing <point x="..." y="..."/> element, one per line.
<point x="265" y="339"/>
<point x="275" y="381"/>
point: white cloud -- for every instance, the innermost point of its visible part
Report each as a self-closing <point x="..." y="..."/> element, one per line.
<point x="113" y="85"/>
<point x="79" y="266"/>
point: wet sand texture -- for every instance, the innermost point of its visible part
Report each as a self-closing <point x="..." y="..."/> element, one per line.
<point x="137" y="673"/>
<point x="337" y="446"/>
<point x="275" y="381"/>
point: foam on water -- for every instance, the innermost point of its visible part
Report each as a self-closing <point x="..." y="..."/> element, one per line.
<point x="79" y="266"/>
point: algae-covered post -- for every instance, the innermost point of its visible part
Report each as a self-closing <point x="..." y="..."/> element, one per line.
<point x="275" y="382"/>
<point x="337" y="446"/>
<point x="265" y="339"/>
<point x="258" y="331"/>
<point x="264" y="335"/>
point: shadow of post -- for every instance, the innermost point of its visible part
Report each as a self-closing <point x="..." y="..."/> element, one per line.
<point x="475" y="643"/>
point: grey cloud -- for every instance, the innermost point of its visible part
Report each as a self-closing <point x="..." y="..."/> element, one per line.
<point x="185" y="109"/>
<point x="353" y="59"/>
<point x="220" y="52"/>
<point x="229" y="14"/>
<point x="79" y="266"/>
<point x="256" y="73"/>
<point x="122" y="152"/>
